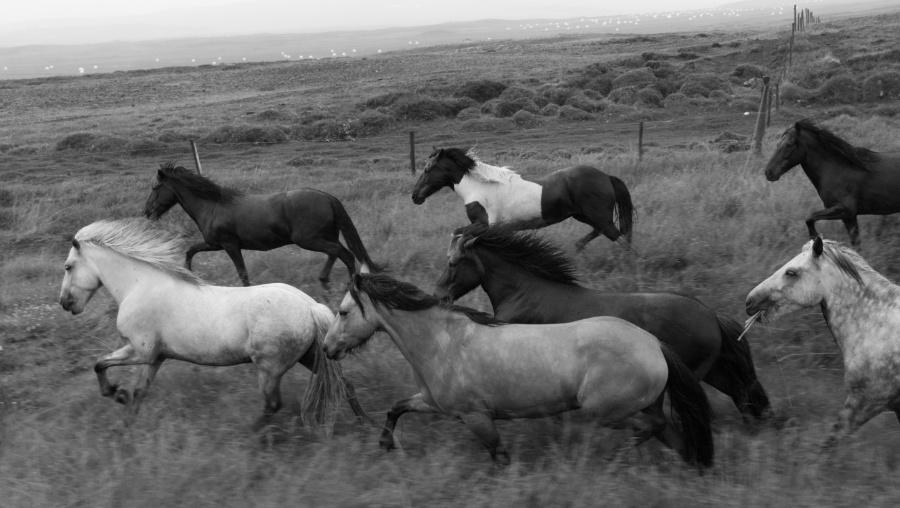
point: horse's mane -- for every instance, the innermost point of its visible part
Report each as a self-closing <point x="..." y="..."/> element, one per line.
<point x="142" y="240"/>
<point x="853" y="155"/>
<point x="394" y="294"/>
<point x="525" y="249"/>
<point x="475" y="168"/>
<point x="201" y="186"/>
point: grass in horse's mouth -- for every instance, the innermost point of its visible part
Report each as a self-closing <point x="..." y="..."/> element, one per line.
<point x="750" y="322"/>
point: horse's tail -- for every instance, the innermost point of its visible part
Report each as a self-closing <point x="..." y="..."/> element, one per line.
<point x="326" y="390"/>
<point x="351" y="236"/>
<point x="689" y="401"/>
<point x="736" y="362"/>
<point x="624" y="208"/>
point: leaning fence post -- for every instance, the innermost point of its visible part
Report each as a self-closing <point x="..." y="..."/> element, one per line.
<point x="760" y="131"/>
<point x="768" y="106"/>
<point x="641" y="141"/>
<point x="196" y="157"/>
<point x="777" y="97"/>
<point x="791" y="47"/>
<point x="412" y="152"/>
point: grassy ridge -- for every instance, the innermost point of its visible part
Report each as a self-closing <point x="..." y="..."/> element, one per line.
<point x="708" y="224"/>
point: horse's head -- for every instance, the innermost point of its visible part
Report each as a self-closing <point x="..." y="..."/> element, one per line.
<point x="80" y="282"/>
<point x="464" y="270"/>
<point x="801" y="283"/>
<point x="161" y="198"/>
<point x="788" y="154"/>
<point x="445" y="168"/>
<point x="353" y="327"/>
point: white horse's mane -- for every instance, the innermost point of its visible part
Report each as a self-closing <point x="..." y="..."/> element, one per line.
<point x="486" y="173"/>
<point x="141" y="240"/>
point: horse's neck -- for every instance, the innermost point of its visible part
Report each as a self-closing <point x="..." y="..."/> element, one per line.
<point x="196" y="207"/>
<point x="854" y="312"/>
<point x="516" y="293"/>
<point x="122" y="275"/>
<point x="426" y="338"/>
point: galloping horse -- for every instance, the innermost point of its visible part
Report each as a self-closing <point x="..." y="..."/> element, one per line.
<point x="861" y="308"/>
<point x="165" y="311"/>
<point x="231" y="220"/>
<point x="850" y="180"/>
<point x="530" y="280"/>
<point x="469" y="366"/>
<point x="496" y="194"/>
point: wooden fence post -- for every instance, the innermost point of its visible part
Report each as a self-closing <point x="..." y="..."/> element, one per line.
<point x="791" y="47"/>
<point x="777" y="97"/>
<point x="196" y="157"/>
<point x="641" y="141"/>
<point x="796" y="24"/>
<point x="760" y="131"/>
<point x="412" y="152"/>
<point x="769" y="93"/>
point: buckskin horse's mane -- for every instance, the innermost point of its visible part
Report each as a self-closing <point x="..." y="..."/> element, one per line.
<point x="201" y="186"/>
<point x="854" y="155"/>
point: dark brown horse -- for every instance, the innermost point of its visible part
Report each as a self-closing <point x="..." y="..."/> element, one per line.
<point x="530" y="280"/>
<point x="850" y="180"/>
<point x="495" y="194"/>
<point x="232" y="220"/>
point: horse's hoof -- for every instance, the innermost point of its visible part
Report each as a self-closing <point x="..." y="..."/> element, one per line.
<point x="386" y="443"/>
<point x="109" y="391"/>
<point x="501" y="458"/>
<point x="123" y="396"/>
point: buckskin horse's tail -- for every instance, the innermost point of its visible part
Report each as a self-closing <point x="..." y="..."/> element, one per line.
<point x="689" y="401"/>
<point x="354" y="242"/>
<point x="326" y="390"/>
<point x="624" y="208"/>
<point x="736" y="362"/>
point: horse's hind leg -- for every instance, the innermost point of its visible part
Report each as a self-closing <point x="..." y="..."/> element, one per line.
<point x="853" y="229"/>
<point x="601" y="224"/>
<point x="414" y="404"/>
<point x="238" y="259"/>
<point x="334" y="250"/>
<point x="748" y="396"/>
<point x="194" y="249"/>
<point x="648" y="423"/>
<point x="857" y="410"/>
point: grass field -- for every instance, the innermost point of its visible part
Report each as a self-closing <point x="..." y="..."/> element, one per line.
<point x="709" y="224"/>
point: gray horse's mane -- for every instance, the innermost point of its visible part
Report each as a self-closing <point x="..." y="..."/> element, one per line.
<point x="142" y="240"/>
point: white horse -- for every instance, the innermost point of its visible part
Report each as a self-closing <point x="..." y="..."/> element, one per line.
<point x="165" y="311"/>
<point x="862" y="309"/>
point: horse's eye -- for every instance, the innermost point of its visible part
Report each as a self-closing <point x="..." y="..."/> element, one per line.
<point x="68" y="268"/>
<point x="452" y="264"/>
<point x="791" y="273"/>
<point x="342" y="312"/>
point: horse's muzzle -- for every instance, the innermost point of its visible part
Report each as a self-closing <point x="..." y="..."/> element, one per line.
<point x="416" y="199"/>
<point x="755" y="305"/>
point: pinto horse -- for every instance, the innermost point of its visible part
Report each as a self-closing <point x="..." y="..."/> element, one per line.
<point x="232" y="220"/>
<point x="471" y="367"/>
<point x="862" y="310"/>
<point x="850" y="180"/>
<point x="530" y="280"/>
<point x="497" y="194"/>
<point x="167" y="312"/>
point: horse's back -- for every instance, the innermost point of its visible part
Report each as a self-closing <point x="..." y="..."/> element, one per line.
<point x="570" y="189"/>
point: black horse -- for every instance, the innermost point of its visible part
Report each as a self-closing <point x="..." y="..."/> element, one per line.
<point x="530" y="280"/>
<point x="232" y="220"/>
<point x="850" y="180"/>
<point x="496" y="194"/>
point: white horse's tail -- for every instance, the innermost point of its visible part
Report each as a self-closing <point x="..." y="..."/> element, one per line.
<point x="326" y="390"/>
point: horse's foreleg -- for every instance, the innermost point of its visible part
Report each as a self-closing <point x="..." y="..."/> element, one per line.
<point x="852" y="228"/>
<point x="831" y="213"/>
<point x="648" y="423"/>
<point x="482" y="425"/>
<point x="354" y="403"/>
<point x="148" y="373"/>
<point x="857" y="410"/>
<point x="415" y="404"/>
<point x="238" y="259"/>
<point x="194" y="249"/>
<point x="127" y="355"/>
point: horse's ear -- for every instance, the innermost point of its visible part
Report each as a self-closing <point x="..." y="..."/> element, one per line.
<point x="76" y="244"/>
<point x="818" y="246"/>
<point x="469" y="243"/>
<point x="160" y="174"/>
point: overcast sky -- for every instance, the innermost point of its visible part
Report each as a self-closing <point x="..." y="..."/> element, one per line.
<point x="352" y="13"/>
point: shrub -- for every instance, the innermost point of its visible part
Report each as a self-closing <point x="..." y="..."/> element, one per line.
<point x="91" y="142"/>
<point x="590" y="94"/>
<point x="550" y="110"/>
<point x="719" y="95"/>
<point x="625" y="95"/>
<point x="581" y="102"/>
<point x="469" y="114"/>
<point x="481" y="90"/>
<point x="674" y="100"/>
<point x="527" y="120"/>
<point x="792" y="92"/>
<point x="574" y="114"/>
<point x="326" y="130"/>
<point x="422" y="107"/>
<point x="379" y="101"/>
<point x="460" y="103"/>
<point x="649" y="97"/>
<point x="884" y="86"/>
<point x="271" y="115"/>
<point x="504" y="109"/>
<point x="488" y="124"/>
<point x="371" y="123"/>
<point x="652" y="64"/>
<point x="602" y="85"/>
<point x="517" y="92"/>
<point x="246" y="134"/>
<point x="177" y="135"/>
<point x="747" y="71"/>
<point x="639" y="78"/>
<point x="842" y="89"/>
<point x="558" y="95"/>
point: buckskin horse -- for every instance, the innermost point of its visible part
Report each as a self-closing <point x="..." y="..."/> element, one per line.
<point x="231" y="220"/>
<point x="496" y="194"/>
<point x="850" y="180"/>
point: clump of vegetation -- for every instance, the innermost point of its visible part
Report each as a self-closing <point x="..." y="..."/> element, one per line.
<point x="675" y="100"/>
<point x="792" y="92"/>
<point x="7" y="197"/>
<point x="91" y="142"/>
<point x="271" y="115"/>
<point x="625" y="95"/>
<point x="730" y="142"/>
<point x="380" y="101"/>
<point x="481" y="90"/>
<point x="371" y="123"/>
<point x="246" y="134"/>
<point x="504" y="109"/>
<point x="147" y="147"/>
<point x="649" y="97"/>
<point x="700" y="85"/>
<point x="177" y="135"/>
<point x="884" y="86"/>
<point x="558" y="94"/>
<point x="572" y="113"/>
<point x="748" y="70"/>
<point x="841" y="89"/>
<point x="527" y="120"/>
<point x="300" y="162"/>
<point x="550" y="110"/>
<point x="423" y="107"/>
<point x="583" y="103"/>
<point x="602" y="85"/>
<point x="488" y="124"/>
<point x="469" y="113"/>
<point x="326" y="131"/>
<point x="871" y="60"/>
<point x="638" y="78"/>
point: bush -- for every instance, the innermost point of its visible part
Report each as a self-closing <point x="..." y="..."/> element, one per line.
<point x="719" y="95"/>
<point x="583" y="103"/>
<point x="574" y="114"/>
<point x="460" y="103"/>
<point x="550" y="110"/>
<point x="379" y="101"/>
<point x="371" y="123"/>
<point x="884" y="86"/>
<point x="91" y="142"/>
<point x="625" y="95"/>
<point x="177" y="135"/>
<point x="326" y="130"/>
<point x="469" y="114"/>
<point x="422" y="107"/>
<point x="675" y="100"/>
<point x="246" y="134"/>
<point x="504" y="109"/>
<point x="488" y="124"/>
<point x="558" y="95"/>
<point x="841" y="89"/>
<point x="526" y="120"/>
<point x="481" y="90"/>
<point x="271" y="115"/>
<point x="517" y="92"/>
<point x="146" y="147"/>
<point x="602" y="85"/>
<point x="638" y="78"/>
<point x="792" y="92"/>
<point x="649" y="97"/>
<point x="693" y="89"/>
<point x="747" y="71"/>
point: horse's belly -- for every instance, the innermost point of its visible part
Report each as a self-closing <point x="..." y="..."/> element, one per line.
<point x="522" y="202"/>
